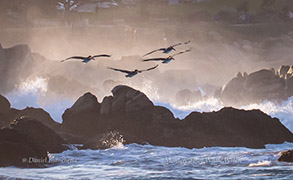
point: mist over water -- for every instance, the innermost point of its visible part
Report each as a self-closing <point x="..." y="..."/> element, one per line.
<point x="32" y="93"/>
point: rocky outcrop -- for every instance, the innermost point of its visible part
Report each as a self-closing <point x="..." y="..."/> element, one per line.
<point x="26" y="143"/>
<point x="40" y="133"/>
<point x="17" y="149"/>
<point x="38" y="114"/>
<point x="7" y="115"/>
<point x="15" y="62"/>
<point x="286" y="156"/>
<point x="131" y="115"/>
<point x="82" y="118"/>
<point x="124" y="99"/>
<point x="231" y="127"/>
<point x="4" y="105"/>
<point x="258" y="86"/>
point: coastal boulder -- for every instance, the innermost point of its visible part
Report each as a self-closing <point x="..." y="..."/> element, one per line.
<point x="231" y="92"/>
<point x="125" y="99"/>
<point x="17" y="61"/>
<point x="17" y="149"/>
<point x="131" y="112"/>
<point x="286" y="156"/>
<point x="82" y="118"/>
<point x="38" y="114"/>
<point x="40" y="133"/>
<point x="231" y="127"/>
<point x="4" y="105"/>
<point x="255" y="88"/>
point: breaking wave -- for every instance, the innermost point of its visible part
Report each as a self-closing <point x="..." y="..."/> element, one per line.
<point x="282" y="111"/>
<point x="33" y="92"/>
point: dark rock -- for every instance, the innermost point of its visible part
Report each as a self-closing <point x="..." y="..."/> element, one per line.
<point x="264" y="84"/>
<point x="82" y="118"/>
<point x="40" y="133"/>
<point x="38" y="114"/>
<point x="236" y="128"/>
<point x="17" y="149"/>
<point x="125" y="99"/>
<point x="15" y="62"/>
<point x="254" y="88"/>
<point x="131" y="115"/>
<point x="286" y="156"/>
<point x="231" y="92"/>
<point x="4" y="105"/>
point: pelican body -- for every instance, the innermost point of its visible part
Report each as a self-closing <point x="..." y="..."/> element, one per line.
<point x="130" y="74"/>
<point x="86" y="59"/>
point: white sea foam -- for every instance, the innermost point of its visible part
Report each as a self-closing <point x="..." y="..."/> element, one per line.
<point x="283" y="111"/>
<point x="33" y="92"/>
<point x="260" y="164"/>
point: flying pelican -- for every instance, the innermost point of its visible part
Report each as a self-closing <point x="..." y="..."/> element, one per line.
<point x="86" y="59"/>
<point x="167" y="59"/>
<point x="133" y="73"/>
<point x="166" y="50"/>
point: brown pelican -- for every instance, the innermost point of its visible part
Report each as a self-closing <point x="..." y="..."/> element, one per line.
<point x="86" y="59"/>
<point x="133" y="73"/>
<point x="166" y="50"/>
<point x="167" y="59"/>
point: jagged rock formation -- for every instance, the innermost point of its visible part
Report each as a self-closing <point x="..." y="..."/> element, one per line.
<point x="130" y="112"/>
<point x="7" y="115"/>
<point x="15" y="62"/>
<point x="258" y="86"/>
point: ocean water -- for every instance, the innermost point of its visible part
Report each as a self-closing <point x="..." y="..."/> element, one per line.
<point x="155" y="162"/>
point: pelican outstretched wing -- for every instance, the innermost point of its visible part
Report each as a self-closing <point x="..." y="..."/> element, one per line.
<point x="187" y="42"/>
<point x="161" y="49"/>
<point x="121" y="70"/>
<point x="176" y="45"/>
<point x="149" y="68"/>
<point x="102" y="55"/>
<point x="154" y="59"/>
<point x="181" y="52"/>
<point x="74" y="57"/>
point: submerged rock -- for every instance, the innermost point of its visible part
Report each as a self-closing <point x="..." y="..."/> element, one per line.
<point x="286" y="156"/>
